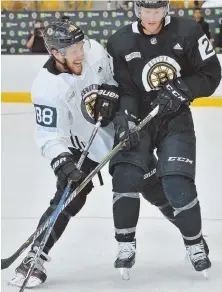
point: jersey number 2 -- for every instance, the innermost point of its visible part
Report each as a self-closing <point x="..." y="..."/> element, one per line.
<point x="205" y="48"/>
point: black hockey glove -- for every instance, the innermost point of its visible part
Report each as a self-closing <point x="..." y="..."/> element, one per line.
<point x="124" y="125"/>
<point x="171" y="97"/>
<point x="65" y="169"/>
<point x="106" y="104"/>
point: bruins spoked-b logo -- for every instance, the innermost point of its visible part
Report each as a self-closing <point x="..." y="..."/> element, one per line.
<point x="159" y="70"/>
<point x="89" y="95"/>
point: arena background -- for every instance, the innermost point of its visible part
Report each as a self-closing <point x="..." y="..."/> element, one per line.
<point x="99" y="20"/>
<point x="98" y="25"/>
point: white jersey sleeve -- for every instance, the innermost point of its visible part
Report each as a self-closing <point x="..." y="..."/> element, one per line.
<point x="52" y="133"/>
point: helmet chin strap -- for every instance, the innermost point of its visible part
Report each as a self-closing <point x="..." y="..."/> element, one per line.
<point x="63" y="64"/>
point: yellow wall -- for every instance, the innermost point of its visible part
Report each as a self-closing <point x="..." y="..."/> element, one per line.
<point x="25" y="97"/>
<point x="82" y="5"/>
<point x="18" y="5"/>
<point x="182" y="4"/>
<point x="46" y="5"/>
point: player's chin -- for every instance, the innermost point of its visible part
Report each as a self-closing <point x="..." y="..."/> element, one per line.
<point x="77" y="68"/>
<point x="152" y="25"/>
<point x="152" y="28"/>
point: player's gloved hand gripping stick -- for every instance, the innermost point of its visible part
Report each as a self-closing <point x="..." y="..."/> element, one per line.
<point x="5" y="263"/>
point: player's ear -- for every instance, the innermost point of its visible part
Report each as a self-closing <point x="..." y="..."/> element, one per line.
<point x="56" y="54"/>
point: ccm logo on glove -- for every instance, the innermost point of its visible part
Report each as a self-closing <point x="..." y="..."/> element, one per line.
<point x="175" y="93"/>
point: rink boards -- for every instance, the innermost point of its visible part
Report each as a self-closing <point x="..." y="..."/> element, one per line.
<point x="18" y="73"/>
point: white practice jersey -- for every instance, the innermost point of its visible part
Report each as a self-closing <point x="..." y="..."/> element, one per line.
<point x="63" y="104"/>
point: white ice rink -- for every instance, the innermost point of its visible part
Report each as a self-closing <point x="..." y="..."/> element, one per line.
<point x="82" y="260"/>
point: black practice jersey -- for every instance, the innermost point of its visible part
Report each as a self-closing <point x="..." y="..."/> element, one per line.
<point x="143" y="63"/>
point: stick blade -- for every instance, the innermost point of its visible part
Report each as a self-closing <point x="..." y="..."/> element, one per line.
<point x="5" y="263"/>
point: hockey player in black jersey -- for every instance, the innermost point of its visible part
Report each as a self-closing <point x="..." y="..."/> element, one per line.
<point x="165" y="61"/>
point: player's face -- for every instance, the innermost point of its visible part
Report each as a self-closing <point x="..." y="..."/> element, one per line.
<point x="74" y="57"/>
<point x="151" y="19"/>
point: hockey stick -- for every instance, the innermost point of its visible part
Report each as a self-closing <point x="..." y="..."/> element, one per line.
<point x="58" y="209"/>
<point x="5" y="263"/>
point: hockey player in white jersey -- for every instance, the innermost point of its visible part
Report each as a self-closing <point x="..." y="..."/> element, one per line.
<point x="64" y="93"/>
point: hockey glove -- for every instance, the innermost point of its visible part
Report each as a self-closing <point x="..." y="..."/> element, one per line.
<point x="124" y="125"/>
<point x="171" y="97"/>
<point x="106" y="104"/>
<point x="65" y="169"/>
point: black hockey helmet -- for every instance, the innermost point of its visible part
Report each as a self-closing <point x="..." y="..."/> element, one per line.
<point x="62" y="34"/>
<point x="151" y="4"/>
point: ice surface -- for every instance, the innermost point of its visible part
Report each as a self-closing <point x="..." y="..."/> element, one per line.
<point x="83" y="258"/>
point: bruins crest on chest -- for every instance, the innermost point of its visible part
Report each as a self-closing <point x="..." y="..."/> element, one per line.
<point x="159" y="70"/>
